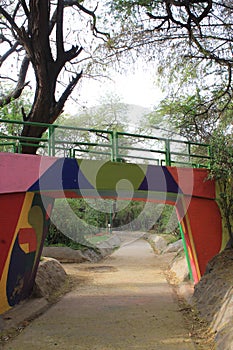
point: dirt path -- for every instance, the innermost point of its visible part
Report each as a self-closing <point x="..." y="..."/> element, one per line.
<point x="121" y="303"/>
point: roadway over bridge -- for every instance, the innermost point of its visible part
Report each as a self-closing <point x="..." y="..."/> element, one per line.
<point x="30" y="183"/>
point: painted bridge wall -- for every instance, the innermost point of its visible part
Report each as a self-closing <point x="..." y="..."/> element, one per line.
<point x="29" y="184"/>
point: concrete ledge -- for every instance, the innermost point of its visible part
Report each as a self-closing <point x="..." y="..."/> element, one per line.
<point x="51" y="282"/>
<point x="19" y="315"/>
<point x="108" y="246"/>
<point x="69" y="255"/>
<point x="159" y="244"/>
<point x="174" y="247"/>
<point x="179" y="267"/>
<point x="65" y="254"/>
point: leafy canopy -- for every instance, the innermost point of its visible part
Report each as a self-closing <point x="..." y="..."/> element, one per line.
<point x="191" y="39"/>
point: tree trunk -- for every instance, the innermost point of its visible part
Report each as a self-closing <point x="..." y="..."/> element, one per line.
<point x="42" y="111"/>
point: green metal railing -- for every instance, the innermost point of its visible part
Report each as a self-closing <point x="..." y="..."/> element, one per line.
<point x="68" y="141"/>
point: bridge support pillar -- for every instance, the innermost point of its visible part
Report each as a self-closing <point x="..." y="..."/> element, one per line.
<point x="24" y="219"/>
<point x="201" y="224"/>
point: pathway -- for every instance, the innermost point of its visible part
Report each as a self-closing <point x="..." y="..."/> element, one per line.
<point x="122" y="303"/>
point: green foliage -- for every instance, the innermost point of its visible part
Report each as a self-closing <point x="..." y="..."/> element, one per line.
<point x="73" y="220"/>
<point x="222" y="156"/>
<point x="98" y="239"/>
<point x="110" y="115"/>
<point x="74" y="217"/>
<point x="56" y="238"/>
<point x="187" y="115"/>
<point x="130" y="7"/>
<point x="168" y="222"/>
<point x="13" y="111"/>
<point x="128" y="214"/>
<point x="181" y="40"/>
<point x="222" y="172"/>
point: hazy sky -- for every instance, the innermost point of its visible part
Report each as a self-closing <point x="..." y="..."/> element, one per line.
<point x="137" y="88"/>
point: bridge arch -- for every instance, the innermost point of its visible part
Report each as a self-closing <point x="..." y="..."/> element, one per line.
<point x="26" y="201"/>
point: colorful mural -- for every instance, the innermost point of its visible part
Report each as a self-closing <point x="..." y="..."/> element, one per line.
<point x="26" y="202"/>
<point x="24" y="222"/>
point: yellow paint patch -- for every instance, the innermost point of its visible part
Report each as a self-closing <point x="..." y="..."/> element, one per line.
<point x="36" y="219"/>
<point x="25" y="247"/>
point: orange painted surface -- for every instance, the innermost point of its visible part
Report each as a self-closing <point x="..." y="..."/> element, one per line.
<point x="205" y="224"/>
<point x="27" y="236"/>
<point x="194" y="182"/>
<point x="11" y="205"/>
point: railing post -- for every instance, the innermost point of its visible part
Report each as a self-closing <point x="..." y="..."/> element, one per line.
<point x="116" y="145"/>
<point x="168" y="152"/>
<point x="51" y="141"/>
<point x="16" y="147"/>
<point x="71" y="154"/>
<point x="19" y="148"/>
<point x="189" y="152"/>
<point x="209" y="152"/>
<point x="114" y="149"/>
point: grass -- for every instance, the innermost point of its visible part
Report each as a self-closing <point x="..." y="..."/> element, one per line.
<point x="97" y="238"/>
<point x="71" y="244"/>
<point x="169" y="237"/>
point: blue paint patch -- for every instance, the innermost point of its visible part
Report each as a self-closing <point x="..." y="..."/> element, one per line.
<point x="159" y="179"/>
<point x="64" y="174"/>
<point x="20" y="275"/>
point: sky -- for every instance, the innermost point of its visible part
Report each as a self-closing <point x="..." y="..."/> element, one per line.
<point x="138" y="87"/>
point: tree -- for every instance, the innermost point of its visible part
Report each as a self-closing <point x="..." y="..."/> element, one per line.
<point x="186" y="116"/>
<point x="99" y="123"/>
<point x="56" y="40"/>
<point x="192" y="41"/>
<point x="222" y="172"/>
<point x="219" y="135"/>
<point x="109" y="114"/>
<point x="12" y="112"/>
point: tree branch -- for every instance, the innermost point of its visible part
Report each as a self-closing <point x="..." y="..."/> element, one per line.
<point x="19" y="86"/>
<point x="25" y="8"/>
<point x="9" y="52"/>
<point x="59" y="31"/>
<point x="11" y="21"/>
<point x="61" y="102"/>
<point x="88" y="12"/>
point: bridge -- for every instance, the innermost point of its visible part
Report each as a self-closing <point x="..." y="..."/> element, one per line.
<point x="114" y="169"/>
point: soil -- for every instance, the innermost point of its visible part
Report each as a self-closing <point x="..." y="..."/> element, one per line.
<point x="127" y="301"/>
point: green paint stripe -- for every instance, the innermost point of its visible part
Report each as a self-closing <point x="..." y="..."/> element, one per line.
<point x="186" y="252"/>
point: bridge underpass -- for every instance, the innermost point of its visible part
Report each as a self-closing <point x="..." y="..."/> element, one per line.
<point x="29" y="185"/>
